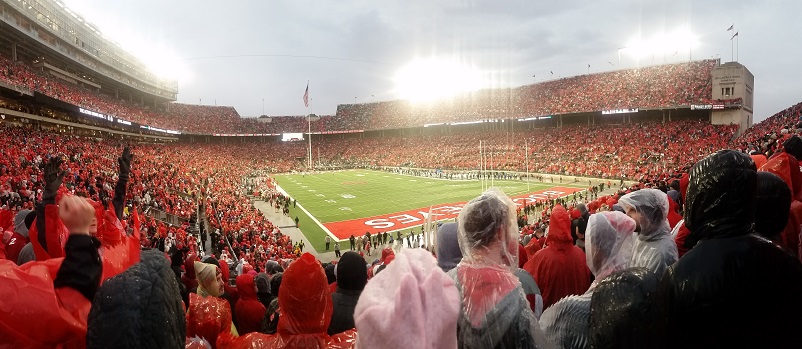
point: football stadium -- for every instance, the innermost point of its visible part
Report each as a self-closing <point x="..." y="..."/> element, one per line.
<point x="407" y="175"/>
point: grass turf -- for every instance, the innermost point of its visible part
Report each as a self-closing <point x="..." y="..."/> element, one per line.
<point x="353" y="194"/>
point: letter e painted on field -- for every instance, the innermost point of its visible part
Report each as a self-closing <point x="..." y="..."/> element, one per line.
<point x="405" y="218"/>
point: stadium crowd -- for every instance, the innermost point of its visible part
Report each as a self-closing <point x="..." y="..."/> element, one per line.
<point x="649" y="87"/>
<point x="637" y="151"/>
<point x="667" y="262"/>
<point x="660" y="86"/>
<point x="493" y="278"/>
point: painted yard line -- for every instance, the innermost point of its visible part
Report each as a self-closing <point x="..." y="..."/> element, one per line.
<point x="414" y="218"/>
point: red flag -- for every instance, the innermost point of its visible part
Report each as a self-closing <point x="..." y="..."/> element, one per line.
<point x="306" y="95"/>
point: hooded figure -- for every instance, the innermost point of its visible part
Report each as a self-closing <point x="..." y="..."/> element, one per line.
<point x="655" y="248"/>
<point x="188" y="279"/>
<point x="229" y="293"/>
<point x="20" y="236"/>
<point x="786" y="167"/>
<point x="262" y="282"/>
<point x="531" y="248"/>
<point x="610" y="237"/>
<point x="772" y="206"/>
<point x="528" y="283"/>
<point x="139" y="308"/>
<point x="249" y="311"/>
<point x="412" y="304"/>
<point x="560" y="269"/>
<point x="701" y="297"/>
<point x="305" y="312"/>
<point x="448" y="252"/>
<point x="26" y="254"/>
<point x="494" y="310"/>
<point x="209" y="315"/>
<point x="622" y="310"/>
<point x="270" y="323"/>
<point x="210" y="279"/>
<point x="352" y="275"/>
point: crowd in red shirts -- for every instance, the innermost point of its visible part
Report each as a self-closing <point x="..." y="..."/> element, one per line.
<point x="667" y="85"/>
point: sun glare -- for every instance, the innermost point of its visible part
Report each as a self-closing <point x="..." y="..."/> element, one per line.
<point x="430" y="79"/>
<point x="662" y="43"/>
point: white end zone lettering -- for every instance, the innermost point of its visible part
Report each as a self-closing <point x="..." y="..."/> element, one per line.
<point x="379" y="223"/>
<point x="406" y="219"/>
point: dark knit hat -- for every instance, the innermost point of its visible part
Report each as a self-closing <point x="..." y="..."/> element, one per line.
<point x="352" y="272"/>
<point x="448" y="252"/>
<point x="138" y="308"/>
<point x="211" y="260"/>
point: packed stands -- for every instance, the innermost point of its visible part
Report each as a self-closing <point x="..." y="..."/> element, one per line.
<point x="650" y="87"/>
<point x="659" y="86"/>
<point x="634" y="151"/>
<point x="760" y="136"/>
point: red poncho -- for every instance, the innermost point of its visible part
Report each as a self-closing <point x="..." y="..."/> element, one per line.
<point x="560" y="269"/>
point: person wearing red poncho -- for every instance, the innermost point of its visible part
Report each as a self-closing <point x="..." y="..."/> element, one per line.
<point x="249" y="311"/>
<point x="560" y="268"/>
<point x="188" y="279"/>
<point x="306" y="309"/>
<point x="208" y="315"/>
<point x="45" y="304"/>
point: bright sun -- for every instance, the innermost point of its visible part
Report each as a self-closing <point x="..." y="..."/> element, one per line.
<point x="430" y="79"/>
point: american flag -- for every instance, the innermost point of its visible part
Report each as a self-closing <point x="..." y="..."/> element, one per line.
<point x="306" y="95"/>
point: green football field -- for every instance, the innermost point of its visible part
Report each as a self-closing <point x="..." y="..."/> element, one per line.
<point x="353" y="194"/>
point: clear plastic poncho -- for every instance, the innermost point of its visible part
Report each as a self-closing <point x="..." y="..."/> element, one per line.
<point x="609" y="240"/>
<point x="654" y="248"/>
<point x="488" y="231"/>
<point x="494" y="311"/>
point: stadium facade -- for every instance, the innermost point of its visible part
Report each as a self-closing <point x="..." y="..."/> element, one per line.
<point x="733" y="81"/>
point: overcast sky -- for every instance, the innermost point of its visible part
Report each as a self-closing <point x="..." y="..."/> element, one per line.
<point x="240" y="52"/>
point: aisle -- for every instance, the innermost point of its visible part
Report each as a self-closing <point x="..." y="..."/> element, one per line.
<point x="287" y="226"/>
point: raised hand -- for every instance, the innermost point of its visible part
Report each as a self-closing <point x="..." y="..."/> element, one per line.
<point x="54" y="175"/>
<point x="125" y="163"/>
<point x="76" y="213"/>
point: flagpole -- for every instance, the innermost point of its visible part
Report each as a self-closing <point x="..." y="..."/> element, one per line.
<point x="732" y="50"/>
<point x="736" y="47"/>
<point x="481" y="166"/>
<point x="526" y="149"/>
<point x="492" y="167"/>
<point x="309" y="127"/>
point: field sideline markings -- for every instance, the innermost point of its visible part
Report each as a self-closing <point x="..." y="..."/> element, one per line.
<point x="281" y="190"/>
